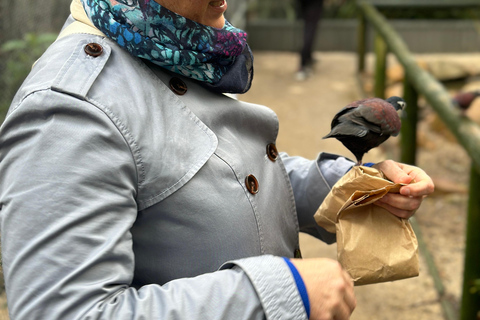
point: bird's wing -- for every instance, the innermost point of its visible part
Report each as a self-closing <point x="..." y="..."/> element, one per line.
<point x="336" y="118"/>
<point x="350" y="108"/>
<point x="347" y="129"/>
<point x="361" y="119"/>
<point x="381" y="118"/>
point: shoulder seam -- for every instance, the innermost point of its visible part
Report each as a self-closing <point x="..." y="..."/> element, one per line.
<point x="123" y="130"/>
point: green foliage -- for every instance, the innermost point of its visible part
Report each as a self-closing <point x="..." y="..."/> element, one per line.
<point x="17" y="58"/>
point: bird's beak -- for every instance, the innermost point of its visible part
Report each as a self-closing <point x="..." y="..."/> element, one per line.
<point x="402" y="112"/>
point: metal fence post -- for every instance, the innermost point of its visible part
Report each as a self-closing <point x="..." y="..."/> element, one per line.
<point x="470" y="309"/>
<point x="361" y="42"/>
<point x="408" y="141"/>
<point x="381" y="51"/>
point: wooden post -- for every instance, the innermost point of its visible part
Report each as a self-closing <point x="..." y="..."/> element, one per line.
<point x="381" y="51"/>
<point x="408" y="141"/>
<point x="470" y="309"/>
<point x="361" y="42"/>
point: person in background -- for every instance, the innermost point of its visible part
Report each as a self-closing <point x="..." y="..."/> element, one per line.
<point x="132" y="187"/>
<point x="310" y="12"/>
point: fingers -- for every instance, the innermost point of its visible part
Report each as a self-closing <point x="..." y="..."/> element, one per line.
<point x="422" y="188"/>
<point x="418" y="185"/>
<point x="349" y="298"/>
<point x="343" y="313"/>
<point x="401" y="206"/>
<point x="401" y="213"/>
<point x="394" y="171"/>
<point x="418" y="182"/>
<point x="421" y="185"/>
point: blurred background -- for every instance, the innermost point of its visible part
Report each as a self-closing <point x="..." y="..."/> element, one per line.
<point x="444" y="40"/>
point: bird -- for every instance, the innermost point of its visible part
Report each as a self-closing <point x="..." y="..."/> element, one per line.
<point x="463" y="100"/>
<point x="367" y="123"/>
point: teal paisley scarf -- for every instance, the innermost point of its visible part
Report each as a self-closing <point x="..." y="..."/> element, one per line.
<point x="219" y="58"/>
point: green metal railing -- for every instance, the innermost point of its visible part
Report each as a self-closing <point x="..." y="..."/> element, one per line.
<point x="418" y="81"/>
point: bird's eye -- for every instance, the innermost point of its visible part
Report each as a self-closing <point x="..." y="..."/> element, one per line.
<point x="402" y="104"/>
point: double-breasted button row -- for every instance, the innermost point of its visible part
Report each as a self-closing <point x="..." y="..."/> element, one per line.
<point x="251" y="181"/>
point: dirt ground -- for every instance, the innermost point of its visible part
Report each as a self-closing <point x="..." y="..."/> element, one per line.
<point x="305" y="110"/>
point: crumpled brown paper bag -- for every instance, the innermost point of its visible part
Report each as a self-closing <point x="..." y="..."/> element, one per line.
<point x="373" y="245"/>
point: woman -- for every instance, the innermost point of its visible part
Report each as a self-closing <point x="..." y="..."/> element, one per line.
<point x="131" y="188"/>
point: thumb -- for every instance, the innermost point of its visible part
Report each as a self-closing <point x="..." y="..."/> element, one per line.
<point x="394" y="171"/>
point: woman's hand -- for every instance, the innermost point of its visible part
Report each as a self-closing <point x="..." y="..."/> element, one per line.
<point x="329" y="288"/>
<point x="406" y="203"/>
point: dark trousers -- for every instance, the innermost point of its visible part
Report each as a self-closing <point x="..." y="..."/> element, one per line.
<point x="311" y="12"/>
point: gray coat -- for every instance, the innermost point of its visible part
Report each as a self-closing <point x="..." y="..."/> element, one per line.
<point x="121" y="199"/>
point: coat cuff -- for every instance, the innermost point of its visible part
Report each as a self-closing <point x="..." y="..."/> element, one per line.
<point x="302" y="289"/>
<point x="275" y="286"/>
<point x="332" y="167"/>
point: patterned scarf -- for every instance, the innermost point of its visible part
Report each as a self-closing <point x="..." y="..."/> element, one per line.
<point x="219" y="58"/>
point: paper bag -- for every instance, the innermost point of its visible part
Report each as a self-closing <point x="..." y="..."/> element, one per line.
<point x="373" y="245"/>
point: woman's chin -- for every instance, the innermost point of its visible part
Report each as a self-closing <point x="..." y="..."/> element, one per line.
<point x="216" y="9"/>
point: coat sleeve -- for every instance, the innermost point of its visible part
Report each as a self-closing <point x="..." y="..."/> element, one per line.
<point x="311" y="181"/>
<point x="67" y="200"/>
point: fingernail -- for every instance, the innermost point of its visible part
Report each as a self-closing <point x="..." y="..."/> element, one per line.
<point x="405" y="191"/>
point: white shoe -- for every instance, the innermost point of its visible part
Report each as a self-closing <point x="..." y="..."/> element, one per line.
<point x="301" y="75"/>
<point x="304" y="73"/>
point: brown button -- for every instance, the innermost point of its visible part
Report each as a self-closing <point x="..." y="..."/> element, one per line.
<point x="178" y="86"/>
<point x="93" y="49"/>
<point x="252" y="184"/>
<point x="272" y="152"/>
<point x="297" y="254"/>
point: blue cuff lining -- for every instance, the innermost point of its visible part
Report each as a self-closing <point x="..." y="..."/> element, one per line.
<point x="300" y="286"/>
<point x="367" y="164"/>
